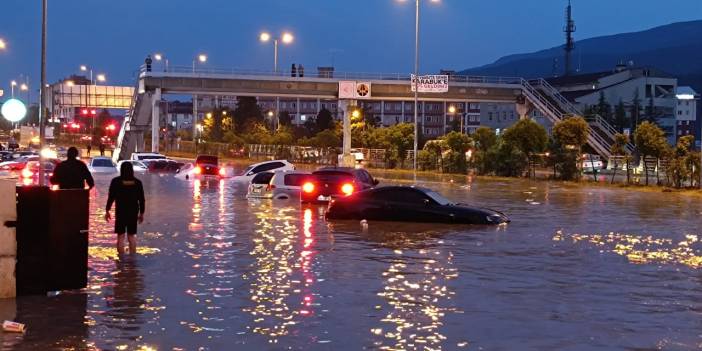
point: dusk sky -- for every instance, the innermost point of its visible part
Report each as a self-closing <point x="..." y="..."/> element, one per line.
<point x="113" y="37"/>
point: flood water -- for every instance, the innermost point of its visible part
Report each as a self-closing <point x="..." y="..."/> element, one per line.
<point x="578" y="269"/>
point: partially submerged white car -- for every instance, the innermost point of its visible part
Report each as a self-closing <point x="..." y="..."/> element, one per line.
<point x="269" y="166"/>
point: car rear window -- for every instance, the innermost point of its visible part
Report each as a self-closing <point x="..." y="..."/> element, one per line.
<point x="295" y="179"/>
<point x="101" y="162"/>
<point x="262" y="178"/>
<point x="332" y="175"/>
<point x="210" y="160"/>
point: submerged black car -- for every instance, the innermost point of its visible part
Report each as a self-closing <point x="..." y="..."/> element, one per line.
<point x="409" y="204"/>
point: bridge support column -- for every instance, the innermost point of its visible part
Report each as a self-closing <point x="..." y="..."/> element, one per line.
<point x="139" y="142"/>
<point x="155" y="120"/>
<point x="347" y="160"/>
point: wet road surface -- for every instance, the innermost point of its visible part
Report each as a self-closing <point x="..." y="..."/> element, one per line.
<point x="578" y="268"/>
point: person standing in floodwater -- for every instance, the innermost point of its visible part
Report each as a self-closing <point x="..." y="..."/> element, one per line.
<point x="127" y="193"/>
<point x="72" y="173"/>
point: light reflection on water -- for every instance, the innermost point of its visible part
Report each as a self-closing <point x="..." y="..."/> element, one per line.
<point x="215" y="271"/>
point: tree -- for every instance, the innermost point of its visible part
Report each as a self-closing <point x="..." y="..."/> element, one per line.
<point x="635" y="110"/>
<point x="284" y="118"/>
<point x="619" y="149"/>
<point x="680" y="165"/>
<point x="458" y="144"/>
<point x="650" y="141"/>
<point x="569" y="136"/>
<point x="526" y="136"/>
<point x="324" y="121"/>
<point x="216" y="124"/>
<point x="603" y="108"/>
<point x="620" y="119"/>
<point x="326" y="138"/>
<point x="485" y="138"/>
<point x="246" y="114"/>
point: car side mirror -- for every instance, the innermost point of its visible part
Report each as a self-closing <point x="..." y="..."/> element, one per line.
<point x="427" y="202"/>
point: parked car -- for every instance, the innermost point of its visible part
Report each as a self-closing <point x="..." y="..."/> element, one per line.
<point x="141" y="156"/>
<point x="260" y="186"/>
<point x="409" y="204"/>
<point x="5" y="156"/>
<point x="30" y="173"/>
<point x="288" y="184"/>
<point x="207" y="166"/>
<point x="267" y="166"/>
<point x="138" y="166"/>
<point x="329" y="183"/>
<point x="18" y="164"/>
<point x="591" y="162"/>
<point x="102" y="165"/>
<point x="163" y="166"/>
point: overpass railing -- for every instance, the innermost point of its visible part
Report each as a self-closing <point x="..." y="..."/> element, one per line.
<point x="187" y="71"/>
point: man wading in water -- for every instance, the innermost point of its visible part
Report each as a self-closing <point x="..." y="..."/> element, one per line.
<point x="127" y="193"/>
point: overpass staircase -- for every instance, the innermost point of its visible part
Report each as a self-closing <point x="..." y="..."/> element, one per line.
<point x="556" y="108"/>
<point x="136" y="121"/>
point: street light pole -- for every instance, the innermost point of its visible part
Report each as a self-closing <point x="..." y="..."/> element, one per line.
<point x="42" y="91"/>
<point x="416" y="83"/>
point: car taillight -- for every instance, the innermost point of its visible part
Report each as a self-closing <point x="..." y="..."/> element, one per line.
<point x="27" y="173"/>
<point x="308" y="187"/>
<point x="222" y="172"/>
<point x="270" y="187"/>
<point x="198" y="170"/>
<point x="347" y="189"/>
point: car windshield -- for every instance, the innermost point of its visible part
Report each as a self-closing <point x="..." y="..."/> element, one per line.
<point x="438" y="198"/>
<point x="102" y="162"/>
<point x="247" y="170"/>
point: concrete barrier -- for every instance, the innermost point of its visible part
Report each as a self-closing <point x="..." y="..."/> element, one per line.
<point x="8" y="239"/>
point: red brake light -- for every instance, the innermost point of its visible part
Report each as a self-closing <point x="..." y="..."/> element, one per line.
<point x="198" y="170"/>
<point x="27" y="173"/>
<point x="308" y="187"/>
<point x="347" y="189"/>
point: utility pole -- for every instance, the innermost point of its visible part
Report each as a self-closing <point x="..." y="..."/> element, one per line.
<point x="42" y="91"/>
<point x="570" y="42"/>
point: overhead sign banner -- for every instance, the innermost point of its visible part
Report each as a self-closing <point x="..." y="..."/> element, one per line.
<point x="353" y="90"/>
<point x="434" y="83"/>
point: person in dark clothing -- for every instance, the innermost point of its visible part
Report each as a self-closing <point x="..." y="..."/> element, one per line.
<point x="89" y="148"/>
<point x="293" y="72"/>
<point x="148" y="63"/>
<point x="102" y="149"/>
<point x="301" y="70"/>
<point x="72" y="173"/>
<point x="127" y="193"/>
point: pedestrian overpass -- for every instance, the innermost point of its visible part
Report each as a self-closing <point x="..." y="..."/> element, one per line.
<point x="144" y="111"/>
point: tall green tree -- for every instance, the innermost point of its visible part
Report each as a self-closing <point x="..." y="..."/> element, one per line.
<point x="604" y="109"/>
<point x="526" y="136"/>
<point x="569" y="135"/>
<point x="485" y="138"/>
<point x="650" y="141"/>
<point x="285" y="119"/>
<point x="620" y="119"/>
<point x="247" y="114"/>
<point x="635" y="110"/>
<point x="324" y="121"/>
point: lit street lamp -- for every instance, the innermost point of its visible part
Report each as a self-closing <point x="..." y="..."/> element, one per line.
<point x="13" y="84"/>
<point x="159" y="57"/>
<point x="3" y="45"/>
<point x="286" y="38"/>
<point x="84" y="68"/>
<point x="416" y="75"/>
<point x="202" y="58"/>
<point x="101" y="78"/>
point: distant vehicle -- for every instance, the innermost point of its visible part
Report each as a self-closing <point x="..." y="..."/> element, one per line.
<point x="288" y="184"/>
<point x="138" y="166"/>
<point x="409" y="204"/>
<point x="18" y="164"/>
<point x="102" y="165"/>
<point x="329" y="183"/>
<point x="267" y="166"/>
<point x="260" y="186"/>
<point x="142" y="156"/>
<point x="357" y="155"/>
<point x="208" y="166"/>
<point x="12" y="145"/>
<point x="6" y="156"/>
<point x="591" y="162"/>
<point x="163" y="166"/>
<point x="30" y="173"/>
